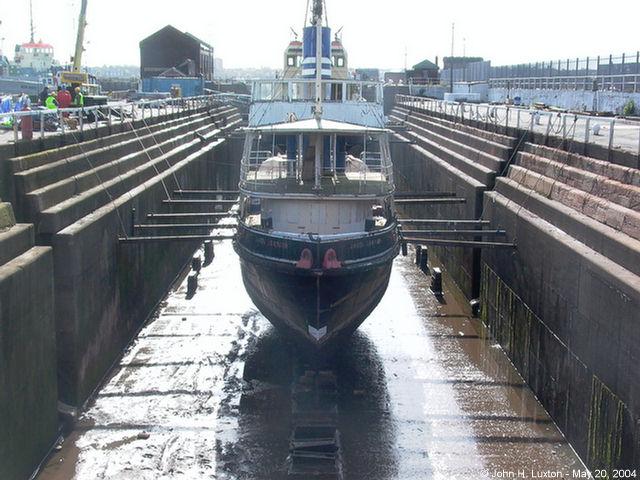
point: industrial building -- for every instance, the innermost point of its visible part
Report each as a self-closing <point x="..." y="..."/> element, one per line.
<point x="170" y="48"/>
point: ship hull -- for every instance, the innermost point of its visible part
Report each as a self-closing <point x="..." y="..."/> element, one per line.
<point x="293" y="303"/>
<point x="314" y="307"/>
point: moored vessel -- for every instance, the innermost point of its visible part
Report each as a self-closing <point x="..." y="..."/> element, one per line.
<point x="317" y="232"/>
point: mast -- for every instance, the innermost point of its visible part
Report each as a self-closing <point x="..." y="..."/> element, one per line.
<point x="317" y="21"/>
<point x="82" y="23"/>
<point x="31" y="17"/>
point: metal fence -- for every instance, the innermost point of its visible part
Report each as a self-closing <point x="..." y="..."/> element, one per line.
<point x="92" y="117"/>
<point x="620" y="73"/>
<point x="610" y="133"/>
<point x="615" y="73"/>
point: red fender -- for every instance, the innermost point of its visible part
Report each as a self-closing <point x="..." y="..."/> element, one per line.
<point x="306" y="260"/>
<point x="331" y="260"/>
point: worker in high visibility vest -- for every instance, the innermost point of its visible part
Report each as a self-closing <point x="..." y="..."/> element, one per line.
<point x="79" y="100"/>
<point x="51" y="103"/>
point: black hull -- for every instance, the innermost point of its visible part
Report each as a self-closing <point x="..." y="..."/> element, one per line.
<point x="319" y="310"/>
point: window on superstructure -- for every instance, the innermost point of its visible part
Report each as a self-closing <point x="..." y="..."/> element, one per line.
<point x="340" y="62"/>
<point x="291" y="61"/>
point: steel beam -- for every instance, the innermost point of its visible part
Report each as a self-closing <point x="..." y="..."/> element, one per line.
<point x="206" y="192"/>
<point x="437" y="242"/>
<point x="155" y="226"/>
<point x="188" y="215"/>
<point x="443" y="222"/>
<point x="401" y="195"/>
<point x="199" y="202"/>
<point x="454" y="232"/>
<point x="434" y="201"/>
<point x="176" y="238"/>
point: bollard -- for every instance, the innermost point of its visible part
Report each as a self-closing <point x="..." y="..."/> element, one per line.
<point x="132" y="224"/>
<point x="424" y="260"/>
<point x="418" y="253"/>
<point x="192" y="284"/>
<point x="209" y="253"/>
<point x="404" y="249"/>
<point x="196" y="263"/>
<point x="475" y="307"/>
<point x="436" y="282"/>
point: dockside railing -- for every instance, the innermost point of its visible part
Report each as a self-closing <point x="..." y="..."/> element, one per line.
<point x="608" y="132"/>
<point x="110" y="114"/>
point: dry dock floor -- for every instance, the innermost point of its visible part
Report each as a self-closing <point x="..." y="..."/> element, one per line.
<point x="204" y="392"/>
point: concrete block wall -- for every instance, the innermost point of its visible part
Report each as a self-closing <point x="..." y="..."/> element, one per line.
<point x="28" y="387"/>
<point x="446" y="157"/>
<point x="576" y="100"/>
<point x="566" y="305"/>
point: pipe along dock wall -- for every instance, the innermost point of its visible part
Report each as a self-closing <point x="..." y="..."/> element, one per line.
<point x="69" y="306"/>
<point x="565" y="304"/>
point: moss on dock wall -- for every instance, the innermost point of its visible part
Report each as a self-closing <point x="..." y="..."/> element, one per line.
<point x="595" y="420"/>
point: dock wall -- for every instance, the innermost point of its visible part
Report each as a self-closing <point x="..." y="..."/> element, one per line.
<point x="436" y="155"/>
<point x="69" y="306"/>
<point x="28" y="387"/>
<point x="564" y="304"/>
<point x="575" y="100"/>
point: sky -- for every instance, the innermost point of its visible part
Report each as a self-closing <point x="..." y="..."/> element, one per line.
<point x="377" y="33"/>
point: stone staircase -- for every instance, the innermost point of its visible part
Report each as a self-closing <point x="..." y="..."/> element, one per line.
<point x="473" y="152"/>
<point x="565" y="305"/>
<point x="55" y="189"/>
<point x="82" y="198"/>
<point x="593" y="201"/>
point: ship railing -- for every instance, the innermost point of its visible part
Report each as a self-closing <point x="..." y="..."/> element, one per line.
<point x="304" y="90"/>
<point x="366" y="174"/>
<point x="607" y="132"/>
<point x="92" y="117"/>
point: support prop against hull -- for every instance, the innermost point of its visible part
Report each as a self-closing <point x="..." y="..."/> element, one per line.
<point x="176" y="238"/>
<point x="438" y="242"/>
<point x="434" y="201"/>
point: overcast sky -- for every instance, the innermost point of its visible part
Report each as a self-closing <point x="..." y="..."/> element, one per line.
<point x="253" y="33"/>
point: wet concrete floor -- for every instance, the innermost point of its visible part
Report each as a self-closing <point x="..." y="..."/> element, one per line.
<point x="204" y="392"/>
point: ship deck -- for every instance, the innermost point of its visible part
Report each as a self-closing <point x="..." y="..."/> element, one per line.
<point x="349" y="183"/>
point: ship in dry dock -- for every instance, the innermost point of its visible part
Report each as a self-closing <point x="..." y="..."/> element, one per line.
<point x="317" y="233"/>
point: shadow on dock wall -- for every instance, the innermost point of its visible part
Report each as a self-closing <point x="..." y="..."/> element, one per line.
<point x="105" y="291"/>
<point x="28" y="390"/>
<point x="413" y="172"/>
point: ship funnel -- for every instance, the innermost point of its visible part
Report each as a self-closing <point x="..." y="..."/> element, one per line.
<point x="310" y="50"/>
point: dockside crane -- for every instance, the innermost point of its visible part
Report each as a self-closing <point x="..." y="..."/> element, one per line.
<point x="82" y="25"/>
<point x="76" y="77"/>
